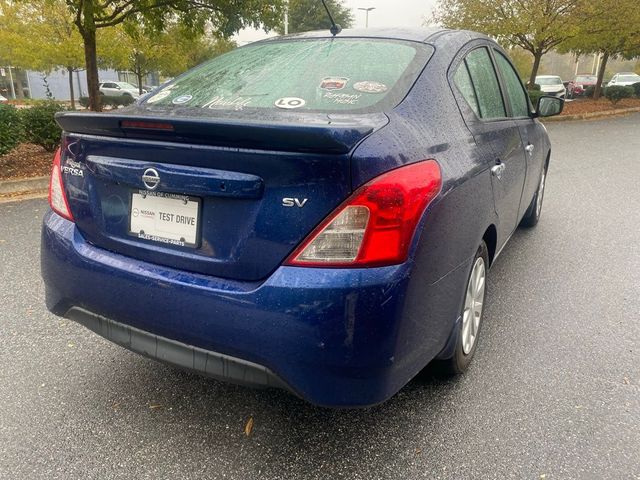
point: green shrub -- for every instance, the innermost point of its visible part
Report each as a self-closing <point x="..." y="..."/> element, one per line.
<point x="10" y="128"/>
<point x="534" y="95"/>
<point x="113" y="102"/>
<point x="636" y="89"/>
<point x="40" y="126"/>
<point x="588" y="92"/>
<point x="533" y="87"/>
<point x="615" y="93"/>
<point x="117" y="101"/>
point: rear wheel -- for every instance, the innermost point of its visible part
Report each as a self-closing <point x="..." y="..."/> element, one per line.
<point x="532" y="215"/>
<point x="473" y="307"/>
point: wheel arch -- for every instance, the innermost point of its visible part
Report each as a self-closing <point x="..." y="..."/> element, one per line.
<point x="490" y="237"/>
<point x="546" y="162"/>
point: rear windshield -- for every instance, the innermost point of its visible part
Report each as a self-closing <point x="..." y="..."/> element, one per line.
<point x="332" y="75"/>
<point x="586" y="79"/>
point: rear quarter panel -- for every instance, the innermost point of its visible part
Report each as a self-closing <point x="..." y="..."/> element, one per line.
<point x="428" y="125"/>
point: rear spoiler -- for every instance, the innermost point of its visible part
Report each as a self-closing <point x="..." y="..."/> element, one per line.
<point x="311" y="133"/>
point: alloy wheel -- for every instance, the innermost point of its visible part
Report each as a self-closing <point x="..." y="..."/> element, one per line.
<point x="473" y="303"/>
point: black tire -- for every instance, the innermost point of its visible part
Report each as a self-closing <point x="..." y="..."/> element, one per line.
<point x="461" y="360"/>
<point x="532" y="215"/>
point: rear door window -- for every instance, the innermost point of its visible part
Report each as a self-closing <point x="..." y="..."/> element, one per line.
<point x="338" y="74"/>
<point x="484" y="79"/>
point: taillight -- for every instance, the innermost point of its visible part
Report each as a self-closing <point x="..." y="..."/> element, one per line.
<point x="57" y="197"/>
<point x="375" y="225"/>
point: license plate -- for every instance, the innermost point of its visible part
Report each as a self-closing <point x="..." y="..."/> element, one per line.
<point x="165" y="218"/>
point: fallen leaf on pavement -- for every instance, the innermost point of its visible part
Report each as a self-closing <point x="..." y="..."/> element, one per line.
<point x="248" y="428"/>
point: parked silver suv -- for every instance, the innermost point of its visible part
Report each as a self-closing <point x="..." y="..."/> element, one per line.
<point x="119" y="89"/>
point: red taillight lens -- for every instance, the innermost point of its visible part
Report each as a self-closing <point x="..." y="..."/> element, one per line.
<point x="57" y="197"/>
<point x="375" y="226"/>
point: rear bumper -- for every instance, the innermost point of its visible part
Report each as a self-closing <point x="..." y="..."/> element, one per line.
<point x="212" y="364"/>
<point x="335" y="337"/>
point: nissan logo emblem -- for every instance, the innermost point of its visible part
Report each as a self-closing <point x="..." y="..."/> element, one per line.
<point x="150" y="178"/>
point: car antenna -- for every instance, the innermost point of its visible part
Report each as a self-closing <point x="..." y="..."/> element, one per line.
<point x="335" y="28"/>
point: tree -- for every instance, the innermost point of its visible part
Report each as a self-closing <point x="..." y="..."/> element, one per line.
<point x="170" y="52"/>
<point x="537" y="26"/>
<point x="177" y="51"/>
<point x="225" y="17"/>
<point x="61" y="44"/>
<point x="14" y="50"/>
<point x="305" y="15"/>
<point x="610" y="28"/>
<point x="522" y="60"/>
<point x="40" y="35"/>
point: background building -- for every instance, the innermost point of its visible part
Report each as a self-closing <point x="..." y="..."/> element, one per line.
<point x="30" y="84"/>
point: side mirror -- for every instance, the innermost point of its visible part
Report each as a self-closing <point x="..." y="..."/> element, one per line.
<point x="549" y="106"/>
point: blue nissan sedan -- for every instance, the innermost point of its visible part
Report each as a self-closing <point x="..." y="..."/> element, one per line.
<point x="312" y="212"/>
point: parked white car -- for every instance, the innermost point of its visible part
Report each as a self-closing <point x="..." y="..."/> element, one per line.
<point x="551" y="84"/>
<point x="2" y="99"/>
<point x="624" y="79"/>
<point x="119" y="89"/>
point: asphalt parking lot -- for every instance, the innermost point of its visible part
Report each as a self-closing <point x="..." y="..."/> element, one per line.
<point x="554" y="391"/>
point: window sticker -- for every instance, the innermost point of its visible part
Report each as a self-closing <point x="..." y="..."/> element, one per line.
<point x="159" y="96"/>
<point x="220" y="101"/>
<point x="342" y="98"/>
<point x="370" y="87"/>
<point x="333" y="83"/>
<point x="182" y="99"/>
<point x="290" y="102"/>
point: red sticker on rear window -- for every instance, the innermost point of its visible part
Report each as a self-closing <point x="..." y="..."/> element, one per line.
<point x="333" y="83"/>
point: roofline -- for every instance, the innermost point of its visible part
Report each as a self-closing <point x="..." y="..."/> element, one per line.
<point x="420" y="35"/>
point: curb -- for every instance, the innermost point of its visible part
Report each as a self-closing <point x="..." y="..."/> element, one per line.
<point x="593" y="115"/>
<point x="23" y="185"/>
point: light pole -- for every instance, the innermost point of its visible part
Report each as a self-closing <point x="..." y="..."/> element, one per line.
<point x="13" y="90"/>
<point x="368" y="9"/>
<point x="286" y="18"/>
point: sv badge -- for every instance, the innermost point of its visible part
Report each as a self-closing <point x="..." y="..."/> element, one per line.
<point x="294" y="202"/>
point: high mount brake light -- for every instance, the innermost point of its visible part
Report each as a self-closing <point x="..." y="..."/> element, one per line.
<point x="57" y="197"/>
<point x="144" y="125"/>
<point x="376" y="224"/>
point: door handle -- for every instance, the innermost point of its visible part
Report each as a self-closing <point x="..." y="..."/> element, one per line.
<point x="498" y="170"/>
<point x="529" y="148"/>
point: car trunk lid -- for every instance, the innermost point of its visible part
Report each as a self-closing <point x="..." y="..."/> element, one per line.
<point x="240" y="193"/>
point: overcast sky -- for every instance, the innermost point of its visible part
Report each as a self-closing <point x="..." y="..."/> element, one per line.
<point x="387" y="13"/>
